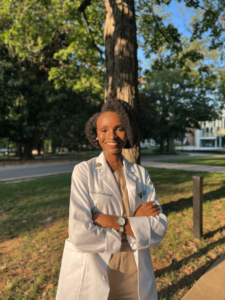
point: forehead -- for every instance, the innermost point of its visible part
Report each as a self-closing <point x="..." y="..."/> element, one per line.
<point x="109" y="118"/>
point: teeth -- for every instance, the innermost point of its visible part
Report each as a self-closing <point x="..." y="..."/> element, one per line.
<point x="111" y="143"/>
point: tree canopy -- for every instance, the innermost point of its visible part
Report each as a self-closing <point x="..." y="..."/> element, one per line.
<point x="52" y="54"/>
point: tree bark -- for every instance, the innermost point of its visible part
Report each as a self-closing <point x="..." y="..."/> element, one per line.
<point x="39" y="146"/>
<point x="28" y="147"/>
<point x="161" y="146"/>
<point x="171" y="146"/>
<point x="121" y="59"/>
<point x="172" y="120"/>
<point x="18" y="150"/>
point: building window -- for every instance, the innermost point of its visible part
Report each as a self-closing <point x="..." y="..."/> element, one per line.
<point x="218" y="130"/>
<point x="211" y="131"/>
<point x="203" y="132"/>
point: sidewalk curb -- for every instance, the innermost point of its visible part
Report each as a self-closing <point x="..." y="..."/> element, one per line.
<point x="211" y="286"/>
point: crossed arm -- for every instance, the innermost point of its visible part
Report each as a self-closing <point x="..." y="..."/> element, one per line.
<point x="107" y="221"/>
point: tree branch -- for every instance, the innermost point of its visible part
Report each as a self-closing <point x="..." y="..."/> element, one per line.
<point x="197" y="4"/>
<point x="81" y="8"/>
<point x="157" y="25"/>
<point x="84" y="4"/>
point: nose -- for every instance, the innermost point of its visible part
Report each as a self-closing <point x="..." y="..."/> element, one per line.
<point x="112" y="135"/>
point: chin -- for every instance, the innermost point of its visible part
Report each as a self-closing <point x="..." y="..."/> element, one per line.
<point x="114" y="151"/>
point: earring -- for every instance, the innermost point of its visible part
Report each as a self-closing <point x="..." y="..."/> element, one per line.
<point x="96" y="138"/>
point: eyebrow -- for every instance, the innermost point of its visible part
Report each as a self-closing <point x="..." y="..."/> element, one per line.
<point x="119" y="125"/>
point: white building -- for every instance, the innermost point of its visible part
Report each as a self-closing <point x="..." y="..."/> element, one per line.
<point x="148" y="143"/>
<point x="212" y="134"/>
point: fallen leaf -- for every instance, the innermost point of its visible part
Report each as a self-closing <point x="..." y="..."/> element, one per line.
<point x="170" y="252"/>
<point x="49" y="286"/>
<point x="187" y="271"/>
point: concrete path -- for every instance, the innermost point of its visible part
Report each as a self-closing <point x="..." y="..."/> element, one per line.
<point x="38" y="170"/>
<point x="185" y="167"/>
<point x="32" y="171"/>
<point x="211" y="286"/>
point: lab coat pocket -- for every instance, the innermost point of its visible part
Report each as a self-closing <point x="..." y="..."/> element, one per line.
<point x="71" y="271"/>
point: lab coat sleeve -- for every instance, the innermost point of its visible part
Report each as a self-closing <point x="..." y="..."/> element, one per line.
<point x="148" y="231"/>
<point x="85" y="236"/>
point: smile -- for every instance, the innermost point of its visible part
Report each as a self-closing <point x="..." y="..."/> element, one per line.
<point x="111" y="143"/>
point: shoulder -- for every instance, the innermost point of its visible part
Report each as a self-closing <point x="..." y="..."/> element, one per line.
<point x="138" y="170"/>
<point x="141" y="171"/>
<point x="85" y="166"/>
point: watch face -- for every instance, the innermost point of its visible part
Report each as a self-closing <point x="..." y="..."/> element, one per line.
<point x="121" y="221"/>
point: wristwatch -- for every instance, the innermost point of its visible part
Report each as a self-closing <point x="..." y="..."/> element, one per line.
<point x="121" y="221"/>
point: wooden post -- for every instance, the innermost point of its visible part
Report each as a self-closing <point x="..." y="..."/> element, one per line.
<point x="197" y="205"/>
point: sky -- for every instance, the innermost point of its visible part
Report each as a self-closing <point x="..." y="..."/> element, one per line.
<point x="177" y="19"/>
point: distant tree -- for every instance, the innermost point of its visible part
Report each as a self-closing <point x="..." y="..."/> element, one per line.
<point x="172" y="102"/>
<point x="68" y="116"/>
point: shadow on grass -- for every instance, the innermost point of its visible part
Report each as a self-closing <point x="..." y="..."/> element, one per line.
<point x="25" y="206"/>
<point x="213" y="232"/>
<point x="178" y="264"/>
<point x="31" y="218"/>
<point x="185" y="282"/>
<point x="184" y="203"/>
<point x="188" y="280"/>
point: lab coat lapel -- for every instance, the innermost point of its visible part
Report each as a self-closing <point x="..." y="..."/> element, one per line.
<point x="107" y="177"/>
<point x="131" y="180"/>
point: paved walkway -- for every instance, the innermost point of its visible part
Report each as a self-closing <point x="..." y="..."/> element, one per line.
<point x="185" y="167"/>
<point x="211" y="286"/>
<point x="37" y="170"/>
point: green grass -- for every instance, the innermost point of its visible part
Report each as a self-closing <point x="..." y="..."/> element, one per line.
<point x="31" y="248"/>
<point x="211" y="160"/>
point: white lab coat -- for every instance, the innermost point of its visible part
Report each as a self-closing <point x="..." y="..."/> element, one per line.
<point x="87" y="251"/>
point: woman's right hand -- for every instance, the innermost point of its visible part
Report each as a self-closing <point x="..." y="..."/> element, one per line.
<point x="147" y="209"/>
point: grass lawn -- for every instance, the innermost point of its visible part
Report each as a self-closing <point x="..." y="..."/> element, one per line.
<point x="207" y="160"/>
<point x="31" y="247"/>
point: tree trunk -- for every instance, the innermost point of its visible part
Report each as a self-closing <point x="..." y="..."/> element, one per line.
<point x="161" y="146"/>
<point x="54" y="144"/>
<point x="18" y="150"/>
<point x="39" y="149"/>
<point x="28" y="147"/>
<point x="171" y="146"/>
<point x="121" y="58"/>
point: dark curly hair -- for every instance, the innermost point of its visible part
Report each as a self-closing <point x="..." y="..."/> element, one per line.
<point x="128" y="119"/>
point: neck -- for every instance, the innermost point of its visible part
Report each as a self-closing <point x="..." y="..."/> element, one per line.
<point x="114" y="161"/>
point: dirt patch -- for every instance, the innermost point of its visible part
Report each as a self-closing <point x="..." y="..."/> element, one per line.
<point x="3" y="217"/>
<point x="7" y="248"/>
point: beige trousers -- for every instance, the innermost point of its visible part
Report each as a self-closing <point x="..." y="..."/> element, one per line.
<point x="122" y="275"/>
<point x="126" y="289"/>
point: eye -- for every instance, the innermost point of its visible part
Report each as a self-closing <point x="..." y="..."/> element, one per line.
<point x="120" y="129"/>
<point x="103" y="130"/>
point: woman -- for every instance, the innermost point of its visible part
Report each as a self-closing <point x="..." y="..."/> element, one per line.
<point x="114" y="217"/>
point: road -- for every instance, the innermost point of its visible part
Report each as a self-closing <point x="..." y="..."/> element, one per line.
<point x="38" y="170"/>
